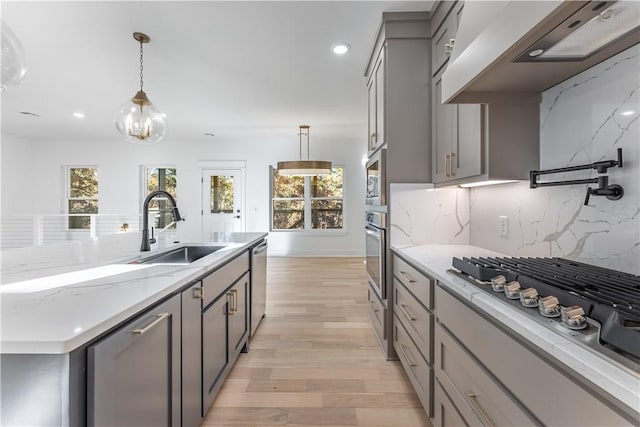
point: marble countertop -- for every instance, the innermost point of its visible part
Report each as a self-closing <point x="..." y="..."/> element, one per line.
<point x="435" y="260"/>
<point x="55" y="298"/>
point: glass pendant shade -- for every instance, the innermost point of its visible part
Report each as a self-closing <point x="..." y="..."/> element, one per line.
<point x="14" y="66"/>
<point x="304" y="167"/>
<point x="139" y="121"/>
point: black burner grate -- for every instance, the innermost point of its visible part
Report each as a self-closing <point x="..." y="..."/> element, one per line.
<point x="608" y="296"/>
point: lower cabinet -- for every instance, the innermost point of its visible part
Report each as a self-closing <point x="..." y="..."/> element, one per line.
<point x="491" y="378"/>
<point x="214" y="348"/>
<point x="133" y="374"/>
<point x="445" y="413"/>
<point x="192" y="356"/>
<point x="238" y="315"/>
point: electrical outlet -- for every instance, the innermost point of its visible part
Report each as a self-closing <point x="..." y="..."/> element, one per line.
<point x="503" y="225"/>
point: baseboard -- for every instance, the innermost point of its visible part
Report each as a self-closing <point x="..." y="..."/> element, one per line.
<point x="308" y="254"/>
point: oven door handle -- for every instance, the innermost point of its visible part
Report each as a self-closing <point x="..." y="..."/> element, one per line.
<point x="372" y="231"/>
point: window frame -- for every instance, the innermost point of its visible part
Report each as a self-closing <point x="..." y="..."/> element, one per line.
<point x="143" y="184"/>
<point x="307" y="199"/>
<point x="67" y="183"/>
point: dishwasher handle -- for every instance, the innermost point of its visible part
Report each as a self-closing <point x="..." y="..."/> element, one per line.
<point x="262" y="247"/>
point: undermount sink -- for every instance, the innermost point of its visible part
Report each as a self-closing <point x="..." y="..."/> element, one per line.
<point x="181" y="255"/>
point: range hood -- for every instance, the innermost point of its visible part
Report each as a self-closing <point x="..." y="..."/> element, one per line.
<point x="511" y="51"/>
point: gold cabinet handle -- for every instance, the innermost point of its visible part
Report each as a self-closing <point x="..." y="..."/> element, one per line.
<point x="406" y="313"/>
<point x="409" y="362"/>
<point x="478" y="409"/>
<point x="452" y="169"/>
<point x="231" y="303"/>
<point x="407" y="277"/>
<point x="448" y="48"/>
<point x="158" y="318"/>
<point x="447" y="164"/>
<point x="198" y="293"/>
<point x="235" y="300"/>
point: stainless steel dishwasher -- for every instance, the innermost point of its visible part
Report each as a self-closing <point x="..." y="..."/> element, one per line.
<point x="258" y="284"/>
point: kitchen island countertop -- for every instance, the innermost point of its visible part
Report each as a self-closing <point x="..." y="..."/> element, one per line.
<point x="434" y="260"/>
<point x="56" y="298"/>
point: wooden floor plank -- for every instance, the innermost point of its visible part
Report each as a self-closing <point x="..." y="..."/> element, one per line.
<point x="315" y="360"/>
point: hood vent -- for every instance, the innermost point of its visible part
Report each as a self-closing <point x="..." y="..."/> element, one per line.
<point x="586" y="32"/>
<point x="523" y="48"/>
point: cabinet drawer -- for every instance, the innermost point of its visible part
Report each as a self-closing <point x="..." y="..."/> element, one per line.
<point x="462" y="377"/>
<point x="377" y="314"/>
<point x="525" y="375"/>
<point x="417" y="320"/>
<point x="445" y="413"/>
<point x="215" y="283"/>
<point x="418" y="370"/>
<point x="417" y="283"/>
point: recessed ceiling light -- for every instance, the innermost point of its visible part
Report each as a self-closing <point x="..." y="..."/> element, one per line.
<point x="340" y="48"/>
<point x="627" y="113"/>
<point x="209" y="134"/>
<point x="78" y="115"/>
<point x="536" y="52"/>
<point x="29" y="113"/>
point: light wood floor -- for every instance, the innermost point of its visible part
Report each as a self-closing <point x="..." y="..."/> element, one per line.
<point x="314" y="359"/>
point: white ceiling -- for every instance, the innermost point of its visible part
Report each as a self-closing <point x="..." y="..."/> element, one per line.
<point x="236" y="69"/>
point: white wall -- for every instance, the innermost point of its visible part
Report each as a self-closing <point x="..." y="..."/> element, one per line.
<point x="119" y="181"/>
<point x="17" y="176"/>
<point x="582" y="121"/>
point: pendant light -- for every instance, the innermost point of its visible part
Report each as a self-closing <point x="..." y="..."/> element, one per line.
<point x="14" y="67"/>
<point x="138" y="120"/>
<point x="304" y="167"/>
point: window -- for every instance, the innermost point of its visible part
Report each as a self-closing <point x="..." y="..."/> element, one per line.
<point x="165" y="179"/>
<point x="82" y="196"/>
<point x="307" y="202"/>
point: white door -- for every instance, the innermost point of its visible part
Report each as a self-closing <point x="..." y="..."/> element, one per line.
<point x="222" y="200"/>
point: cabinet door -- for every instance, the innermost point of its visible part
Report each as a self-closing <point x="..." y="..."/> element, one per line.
<point x="214" y="349"/>
<point x="133" y="375"/>
<point x="444" y="411"/>
<point x="442" y="40"/>
<point x="466" y="153"/>
<point x="371" y="100"/>
<point x="238" y="319"/>
<point x="380" y="98"/>
<point x="192" y="356"/>
<point x="444" y="116"/>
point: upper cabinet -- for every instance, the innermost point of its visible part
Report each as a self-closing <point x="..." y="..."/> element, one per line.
<point x="398" y="77"/>
<point x="514" y="50"/>
<point x="476" y="142"/>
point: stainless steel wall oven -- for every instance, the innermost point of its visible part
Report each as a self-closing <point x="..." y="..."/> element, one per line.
<point x="375" y="229"/>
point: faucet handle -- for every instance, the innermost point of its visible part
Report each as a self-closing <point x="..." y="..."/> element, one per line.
<point x="152" y="239"/>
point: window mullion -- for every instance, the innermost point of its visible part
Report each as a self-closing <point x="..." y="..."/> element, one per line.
<point x="307" y="203"/>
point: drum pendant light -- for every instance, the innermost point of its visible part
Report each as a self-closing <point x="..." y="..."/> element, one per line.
<point x="138" y="120"/>
<point x="304" y="167"/>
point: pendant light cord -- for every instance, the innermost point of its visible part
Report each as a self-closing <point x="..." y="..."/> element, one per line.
<point x="141" y="66"/>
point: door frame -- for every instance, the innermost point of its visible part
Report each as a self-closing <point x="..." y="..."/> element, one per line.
<point x="230" y="165"/>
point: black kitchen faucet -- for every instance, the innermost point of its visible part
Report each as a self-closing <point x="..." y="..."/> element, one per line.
<point x="146" y="246"/>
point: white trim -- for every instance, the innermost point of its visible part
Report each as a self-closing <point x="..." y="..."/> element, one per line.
<point x="225" y="166"/>
<point x="297" y="253"/>
<point x="221" y="164"/>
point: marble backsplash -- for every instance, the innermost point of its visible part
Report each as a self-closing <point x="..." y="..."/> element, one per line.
<point x="583" y="120"/>
<point x="422" y="215"/>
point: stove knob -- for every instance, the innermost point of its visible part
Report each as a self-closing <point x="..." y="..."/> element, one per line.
<point x="549" y="306"/>
<point x="512" y="290"/>
<point x="497" y="283"/>
<point x="573" y="317"/>
<point x="529" y="297"/>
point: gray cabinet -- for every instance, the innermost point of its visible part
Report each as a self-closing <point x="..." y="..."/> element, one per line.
<point x="494" y="379"/>
<point x="192" y="356"/>
<point x="413" y="327"/>
<point x="133" y="374"/>
<point x="238" y="313"/>
<point x="215" y="355"/>
<point x="376" y="96"/>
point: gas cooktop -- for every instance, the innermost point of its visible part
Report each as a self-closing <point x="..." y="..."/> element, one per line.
<point x="595" y="306"/>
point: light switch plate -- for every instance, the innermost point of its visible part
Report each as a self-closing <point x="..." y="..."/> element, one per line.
<point x="503" y="225"/>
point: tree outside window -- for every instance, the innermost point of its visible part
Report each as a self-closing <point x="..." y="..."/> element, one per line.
<point x="307" y="203"/>
<point x="165" y="179"/>
<point x="82" y="196"/>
